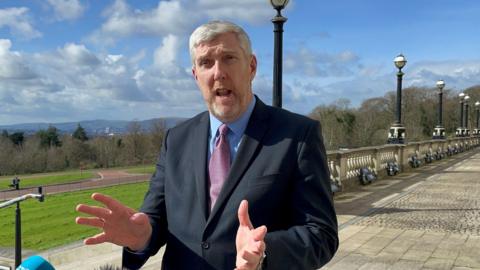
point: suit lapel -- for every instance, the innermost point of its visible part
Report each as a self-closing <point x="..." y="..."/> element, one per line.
<point x="256" y="128"/>
<point x="200" y="148"/>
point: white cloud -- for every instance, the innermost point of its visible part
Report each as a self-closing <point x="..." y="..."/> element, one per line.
<point x="18" y="21"/>
<point x="78" y="55"/>
<point x="252" y="11"/>
<point x="165" y="56"/>
<point x="176" y="17"/>
<point x="456" y="74"/>
<point x="302" y="94"/>
<point x="169" y="17"/>
<point x="67" y="9"/>
<point x="74" y="83"/>
<point x="317" y="64"/>
<point x="12" y="66"/>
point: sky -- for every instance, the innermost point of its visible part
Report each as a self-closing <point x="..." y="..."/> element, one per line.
<point x="74" y="60"/>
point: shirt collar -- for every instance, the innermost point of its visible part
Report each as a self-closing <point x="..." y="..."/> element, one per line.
<point x="238" y="126"/>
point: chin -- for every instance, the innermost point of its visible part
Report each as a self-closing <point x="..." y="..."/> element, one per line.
<point x="225" y="115"/>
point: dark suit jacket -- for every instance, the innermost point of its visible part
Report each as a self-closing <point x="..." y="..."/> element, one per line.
<point x="280" y="168"/>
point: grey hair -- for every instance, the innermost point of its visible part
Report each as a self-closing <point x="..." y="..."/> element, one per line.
<point x="210" y="30"/>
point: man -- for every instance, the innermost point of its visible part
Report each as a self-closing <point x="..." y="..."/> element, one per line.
<point x="228" y="175"/>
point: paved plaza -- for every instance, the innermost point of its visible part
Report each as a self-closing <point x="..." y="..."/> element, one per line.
<point x="428" y="218"/>
<point x="425" y="219"/>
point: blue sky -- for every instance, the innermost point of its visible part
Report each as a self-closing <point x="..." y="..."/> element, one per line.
<point x="72" y="60"/>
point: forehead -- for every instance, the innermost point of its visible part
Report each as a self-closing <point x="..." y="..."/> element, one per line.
<point x="223" y="43"/>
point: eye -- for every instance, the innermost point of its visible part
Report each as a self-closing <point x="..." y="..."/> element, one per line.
<point x="204" y="62"/>
<point x="230" y="58"/>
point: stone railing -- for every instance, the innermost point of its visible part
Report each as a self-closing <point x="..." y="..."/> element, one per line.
<point x="345" y="165"/>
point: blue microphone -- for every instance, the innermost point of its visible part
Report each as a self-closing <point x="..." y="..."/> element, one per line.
<point x="35" y="263"/>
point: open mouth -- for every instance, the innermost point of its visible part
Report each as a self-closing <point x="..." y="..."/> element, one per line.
<point x="223" y="92"/>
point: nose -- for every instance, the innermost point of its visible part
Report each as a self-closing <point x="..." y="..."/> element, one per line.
<point x="219" y="71"/>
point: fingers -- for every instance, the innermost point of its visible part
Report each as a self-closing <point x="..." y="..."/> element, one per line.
<point x="93" y="210"/>
<point x="108" y="201"/>
<point x="243" y="216"/>
<point x="90" y="221"/>
<point x="253" y="250"/>
<point x="249" y="259"/>
<point x="257" y="248"/>
<point x="96" y="239"/>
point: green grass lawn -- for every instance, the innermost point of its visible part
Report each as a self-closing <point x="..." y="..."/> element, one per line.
<point x="52" y="223"/>
<point x="47" y="179"/>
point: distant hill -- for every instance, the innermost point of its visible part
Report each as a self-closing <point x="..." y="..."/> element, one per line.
<point x="92" y="127"/>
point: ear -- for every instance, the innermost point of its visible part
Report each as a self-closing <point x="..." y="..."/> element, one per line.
<point x="194" y="73"/>
<point x="253" y="67"/>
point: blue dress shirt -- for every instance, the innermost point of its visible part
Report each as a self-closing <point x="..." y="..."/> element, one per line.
<point x="235" y="133"/>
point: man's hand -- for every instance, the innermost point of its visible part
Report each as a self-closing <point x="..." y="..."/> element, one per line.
<point x="121" y="225"/>
<point x="249" y="241"/>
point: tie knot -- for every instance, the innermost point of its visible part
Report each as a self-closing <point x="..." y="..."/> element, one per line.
<point x="223" y="129"/>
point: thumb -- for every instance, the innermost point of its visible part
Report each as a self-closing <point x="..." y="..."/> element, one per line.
<point x="139" y="218"/>
<point x="259" y="233"/>
<point x="243" y="216"/>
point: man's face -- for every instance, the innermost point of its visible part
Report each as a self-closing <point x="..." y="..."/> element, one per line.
<point x="224" y="73"/>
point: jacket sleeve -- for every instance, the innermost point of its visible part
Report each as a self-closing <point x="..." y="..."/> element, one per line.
<point x="154" y="207"/>
<point x="312" y="240"/>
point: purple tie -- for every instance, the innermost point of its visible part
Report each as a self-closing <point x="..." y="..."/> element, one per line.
<point x="219" y="164"/>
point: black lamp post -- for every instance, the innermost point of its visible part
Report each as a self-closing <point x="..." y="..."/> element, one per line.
<point x="439" y="131"/>
<point x="396" y="134"/>
<point x="18" y="225"/>
<point x="477" y="127"/>
<point x="278" y="22"/>
<point x="459" y="132"/>
<point x="466" y="132"/>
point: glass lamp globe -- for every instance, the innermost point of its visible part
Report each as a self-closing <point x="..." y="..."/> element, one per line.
<point x="400" y="61"/>
<point x="440" y="84"/>
<point x="279" y="4"/>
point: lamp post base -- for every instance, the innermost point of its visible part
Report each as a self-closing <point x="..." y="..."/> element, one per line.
<point x="462" y="132"/>
<point x="396" y="135"/>
<point x="439" y="133"/>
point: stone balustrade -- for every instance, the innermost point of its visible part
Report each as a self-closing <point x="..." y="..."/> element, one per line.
<point x="345" y="165"/>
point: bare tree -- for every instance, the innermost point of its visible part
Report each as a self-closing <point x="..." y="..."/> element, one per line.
<point x="136" y="144"/>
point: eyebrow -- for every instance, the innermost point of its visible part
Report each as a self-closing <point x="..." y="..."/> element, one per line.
<point x="201" y="58"/>
<point x="209" y="53"/>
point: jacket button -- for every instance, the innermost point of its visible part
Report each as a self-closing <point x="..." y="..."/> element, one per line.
<point x="205" y="245"/>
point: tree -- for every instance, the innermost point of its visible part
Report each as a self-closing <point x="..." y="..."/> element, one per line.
<point x="373" y="119"/>
<point x="157" y="132"/>
<point x="7" y="155"/>
<point x="80" y="134"/>
<point x="136" y="144"/>
<point x="49" y="138"/>
<point x="17" y="138"/>
<point x="338" y="123"/>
